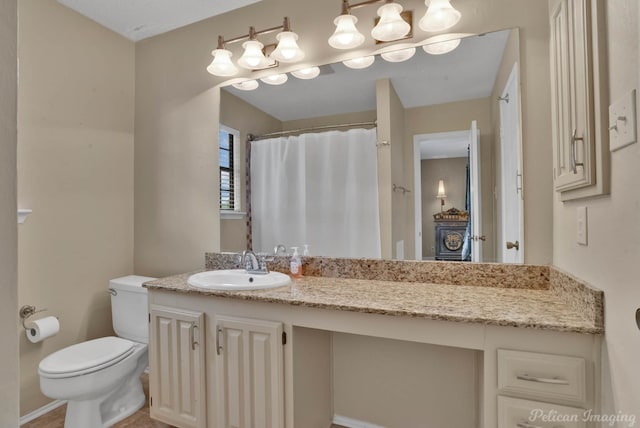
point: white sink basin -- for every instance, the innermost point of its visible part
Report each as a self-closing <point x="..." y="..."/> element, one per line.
<point x="237" y="279"/>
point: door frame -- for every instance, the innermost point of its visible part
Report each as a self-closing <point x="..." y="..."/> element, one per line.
<point x="418" y="139"/>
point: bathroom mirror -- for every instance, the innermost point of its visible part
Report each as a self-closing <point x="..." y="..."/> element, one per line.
<point x="440" y="95"/>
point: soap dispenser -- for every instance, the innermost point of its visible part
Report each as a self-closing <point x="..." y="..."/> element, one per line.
<point x="296" y="264"/>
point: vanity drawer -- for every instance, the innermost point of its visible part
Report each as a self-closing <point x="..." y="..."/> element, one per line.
<point x="546" y="376"/>
<point x="518" y="413"/>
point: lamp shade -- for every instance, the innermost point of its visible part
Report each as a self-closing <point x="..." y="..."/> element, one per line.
<point x="287" y="49"/>
<point x="399" y="55"/>
<point x="253" y="58"/>
<point x="441" y="48"/>
<point x="346" y="35"/>
<point x="441" y="192"/>
<point x="358" y="63"/>
<point x="247" y="85"/>
<point x="391" y="26"/>
<point x="307" y="73"/>
<point x="221" y="64"/>
<point x="440" y="16"/>
<point x="275" y="79"/>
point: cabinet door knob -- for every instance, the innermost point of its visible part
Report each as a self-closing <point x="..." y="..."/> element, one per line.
<point x="218" y="345"/>
<point x="515" y="245"/>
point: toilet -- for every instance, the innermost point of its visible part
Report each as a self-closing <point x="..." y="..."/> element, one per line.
<point x="100" y="378"/>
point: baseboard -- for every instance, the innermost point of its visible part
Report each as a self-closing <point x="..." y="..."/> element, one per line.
<point x="41" y="411"/>
<point x="353" y="423"/>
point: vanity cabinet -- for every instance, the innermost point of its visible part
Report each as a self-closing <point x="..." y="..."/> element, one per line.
<point x="250" y="373"/>
<point x="579" y="102"/>
<point x="177" y="364"/>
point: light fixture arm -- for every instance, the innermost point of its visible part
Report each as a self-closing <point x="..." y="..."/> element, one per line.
<point x="253" y="34"/>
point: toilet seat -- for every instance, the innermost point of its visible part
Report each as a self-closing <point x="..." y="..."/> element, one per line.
<point x="86" y="357"/>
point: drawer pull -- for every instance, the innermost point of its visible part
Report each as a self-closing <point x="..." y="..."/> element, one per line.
<point x="554" y="381"/>
<point x="526" y="425"/>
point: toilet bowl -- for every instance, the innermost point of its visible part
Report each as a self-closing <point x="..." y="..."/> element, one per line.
<point x="100" y="378"/>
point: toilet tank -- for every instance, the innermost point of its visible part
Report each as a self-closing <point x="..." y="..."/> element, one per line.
<point x="129" y="307"/>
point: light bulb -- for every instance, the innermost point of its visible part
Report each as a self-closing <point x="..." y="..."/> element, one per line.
<point x="287" y="49"/>
<point x="358" y="63"/>
<point x="346" y="35"/>
<point x="307" y="73"/>
<point x="253" y="58"/>
<point x="247" y="85"/>
<point x="398" y="55"/>
<point x="391" y="26"/>
<point x="440" y="16"/>
<point x="221" y="64"/>
<point x="441" y="48"/>
<point x="275" y="79"/>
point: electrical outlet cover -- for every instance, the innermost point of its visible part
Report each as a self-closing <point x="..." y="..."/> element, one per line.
<point x="581" y="225"/>
<point x="622" y="122"/>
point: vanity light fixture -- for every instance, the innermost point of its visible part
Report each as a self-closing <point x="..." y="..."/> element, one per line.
<point x="247" y="85"/>
<point x="441" y="48"/>
<point x="399" y="55"/>
<point x="359" y="63"/>
<point x="307" y="73"/>
<point x="275" y="79"/>
<point x="440" y="16"/>
<point x="391" y="26"/>
<point x="254" y="58"/>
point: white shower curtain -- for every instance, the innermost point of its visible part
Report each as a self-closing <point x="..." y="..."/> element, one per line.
<point x="319" y="189"/>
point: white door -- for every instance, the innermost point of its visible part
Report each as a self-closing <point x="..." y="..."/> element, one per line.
<point x="250" y="373"/>
<point x="511" y="199"/>
<point x="177" y="364"/>
<point x="476" y="208"/>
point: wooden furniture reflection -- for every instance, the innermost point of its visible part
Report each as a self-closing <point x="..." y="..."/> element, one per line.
<point x="450" y="229"/>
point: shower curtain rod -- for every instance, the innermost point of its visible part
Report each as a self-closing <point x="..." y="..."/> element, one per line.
<point x="316" y="128"/>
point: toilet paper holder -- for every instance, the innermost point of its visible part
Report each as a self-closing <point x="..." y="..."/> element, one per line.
<point x="27" y="311"/>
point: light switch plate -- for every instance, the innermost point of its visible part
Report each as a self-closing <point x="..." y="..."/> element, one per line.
<point x="581" y="225"/>
<point x="622" y="122"/>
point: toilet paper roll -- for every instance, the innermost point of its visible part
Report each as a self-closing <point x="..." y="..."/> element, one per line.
<point x="41" y="329"/>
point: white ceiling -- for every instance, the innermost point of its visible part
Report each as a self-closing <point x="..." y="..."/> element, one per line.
<point x="448" y="145"/>
<point x="139" y="19"/>
<point x="469" y="72"/>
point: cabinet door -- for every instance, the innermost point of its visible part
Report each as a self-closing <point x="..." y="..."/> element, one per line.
<point x="177" y="371"/>
<point x="580" y="143"/>
<point x="249" y="368"/>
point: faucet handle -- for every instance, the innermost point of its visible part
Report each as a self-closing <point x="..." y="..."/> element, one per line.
<point x="263" y="258"/>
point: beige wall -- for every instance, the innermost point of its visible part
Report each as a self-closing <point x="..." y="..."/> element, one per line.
<point x="357" y="117"/>
<point x="384" y="110"/>
<point x="509" y="58"/>
<point x="454" y="173"/>
<point x="9" y="369"/>
<point x="390" y="384"/>
<point x="177" y="102"/>
<point x="457" y="117"/>
<point x="241" y="116"/>
<point x="610" y="261"/>
<point x="75" y="170"/>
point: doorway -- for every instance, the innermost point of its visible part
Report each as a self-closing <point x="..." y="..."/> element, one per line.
<point x="444" y="156"/>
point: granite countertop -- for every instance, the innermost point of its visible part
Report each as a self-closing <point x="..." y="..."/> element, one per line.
<point x="562" y="307"/>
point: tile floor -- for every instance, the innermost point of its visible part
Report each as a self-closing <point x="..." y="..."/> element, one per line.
<point x="140" y="419"/>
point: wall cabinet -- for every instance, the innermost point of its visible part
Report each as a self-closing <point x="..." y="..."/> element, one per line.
<point x="177" y="364"/>
<point x="249" y="373"/>
<point x="579" y="101"/>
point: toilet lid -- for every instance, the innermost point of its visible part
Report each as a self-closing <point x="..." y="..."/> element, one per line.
<point x="86" y="357"/>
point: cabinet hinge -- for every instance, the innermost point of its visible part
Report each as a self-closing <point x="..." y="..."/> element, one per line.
<point x="284" y="338"/>
<point x="150" y="401"/>
<point x="149" y="318"/>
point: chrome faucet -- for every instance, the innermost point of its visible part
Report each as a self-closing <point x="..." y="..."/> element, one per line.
<point x="254" y="264"/>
